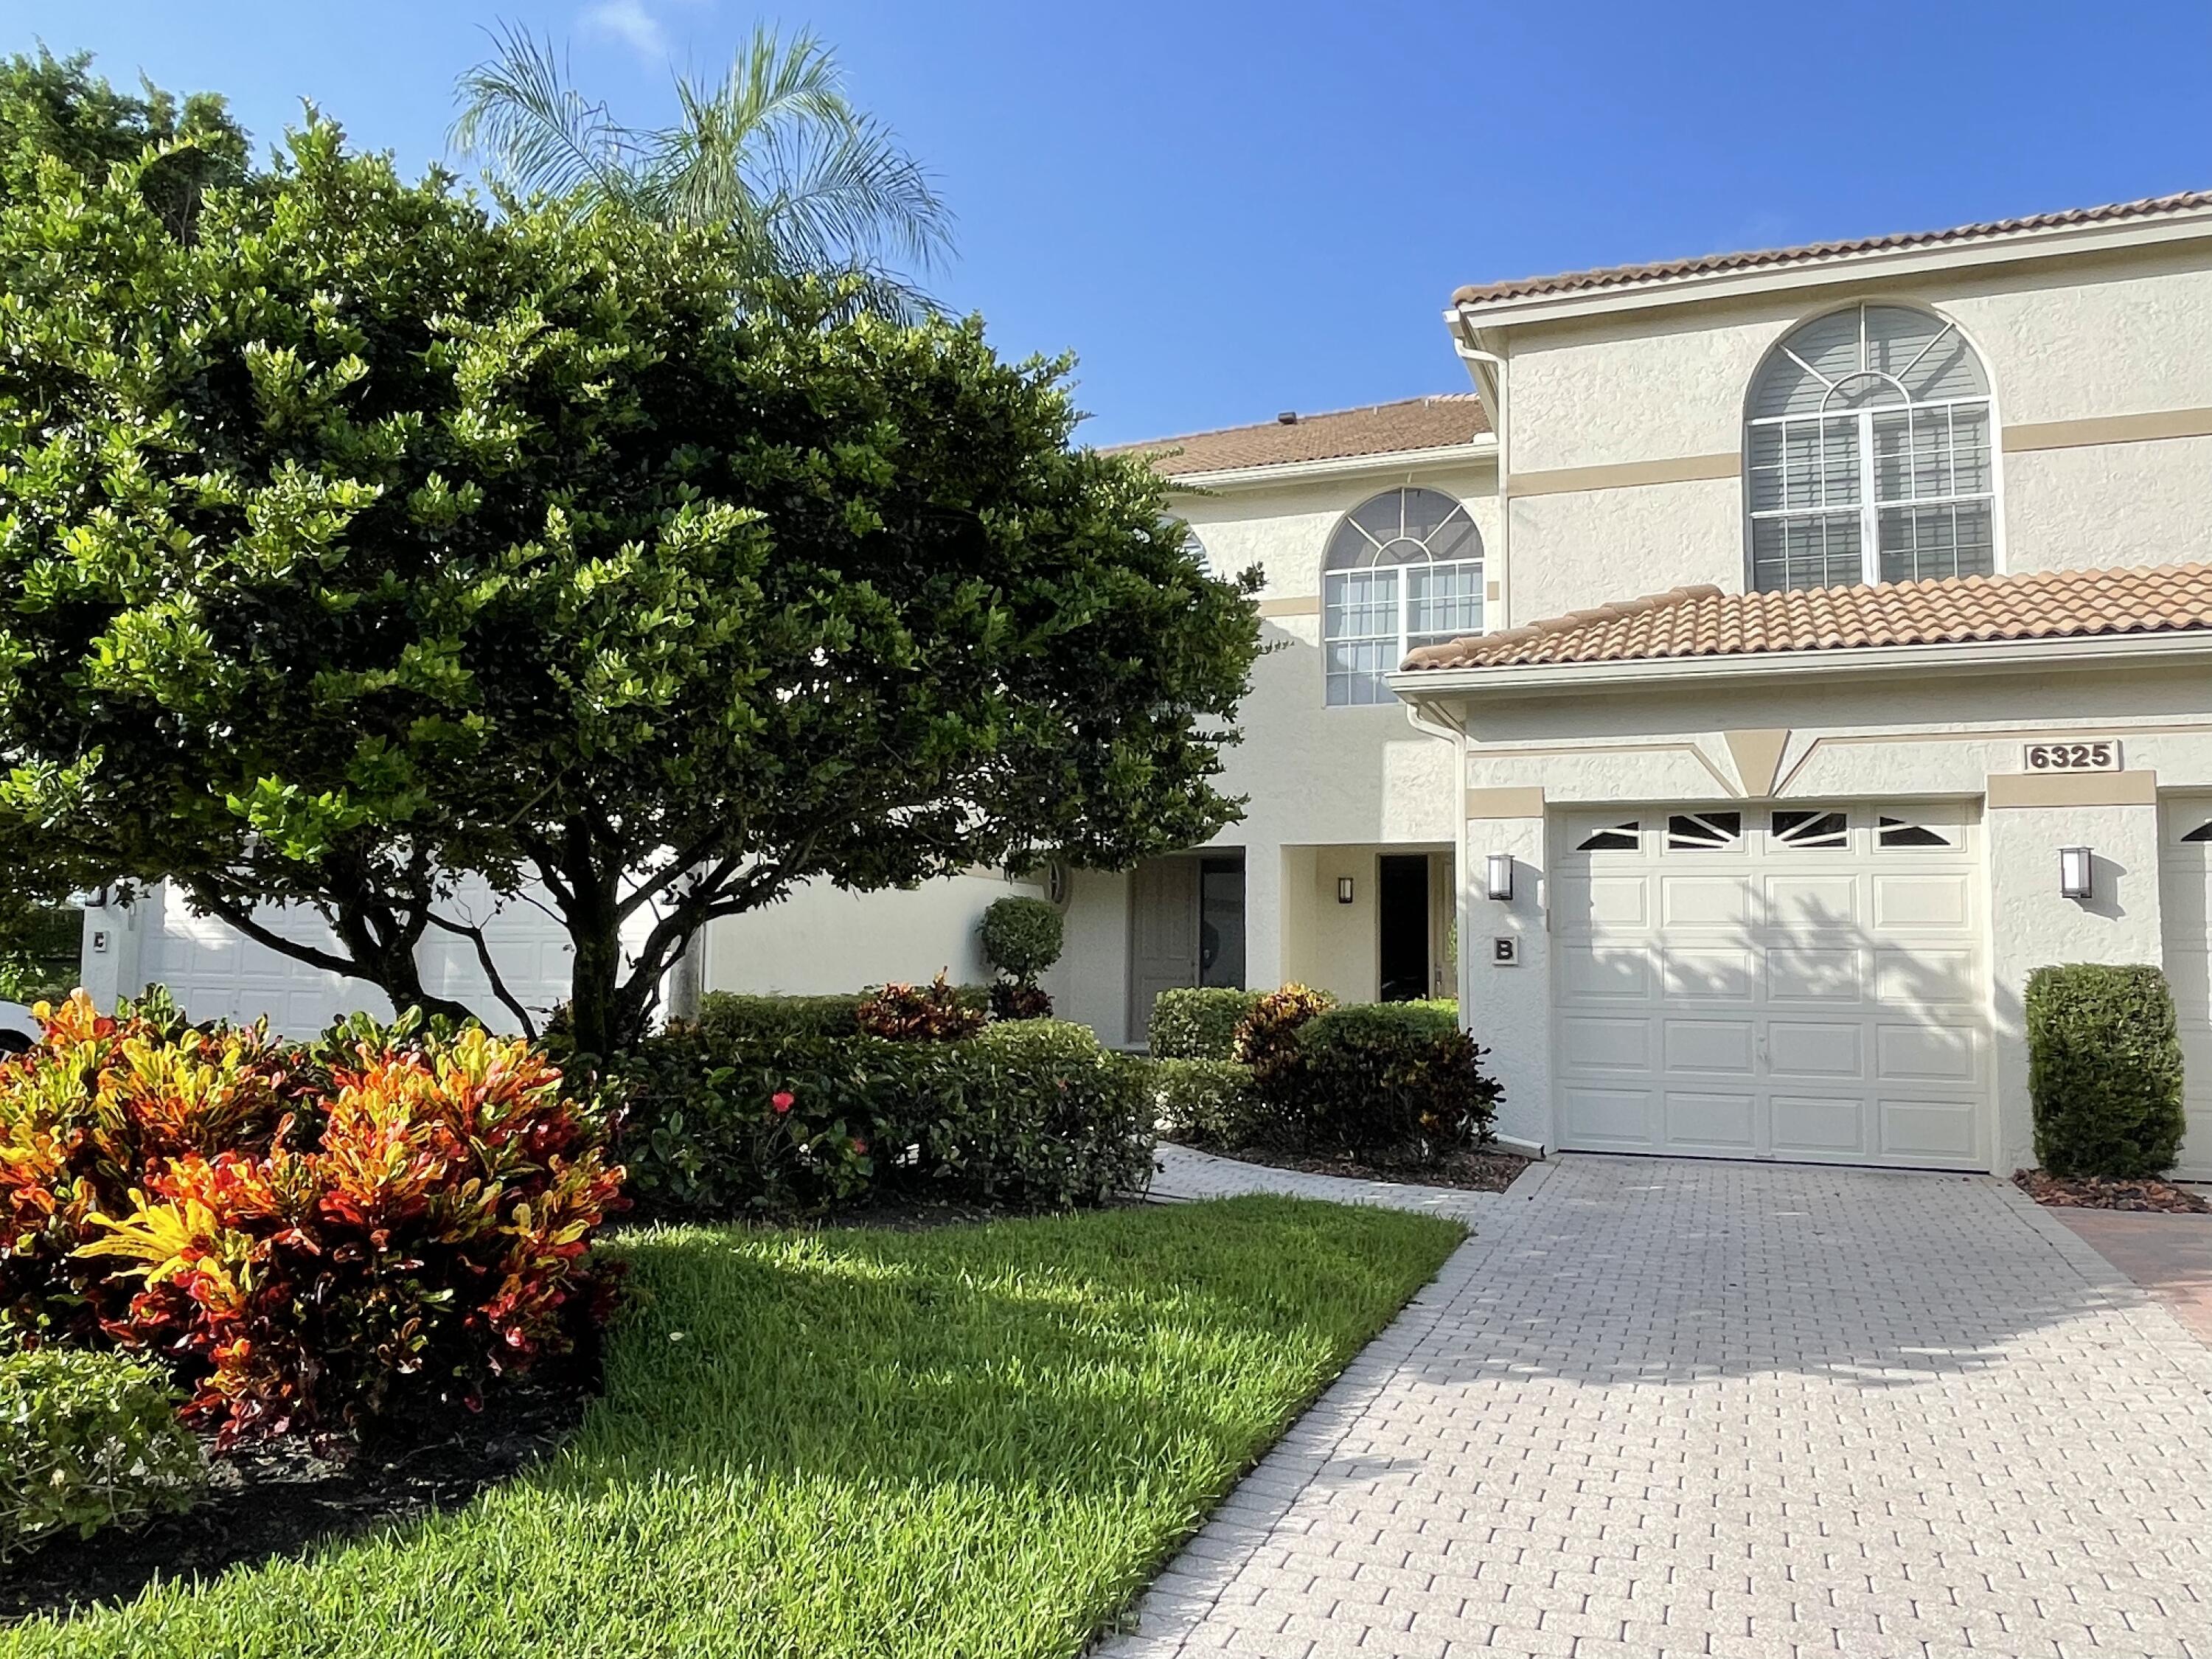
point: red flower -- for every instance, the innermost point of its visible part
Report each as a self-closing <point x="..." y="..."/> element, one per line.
<point x="859" y="1144"/>
<point x="782" y="1100"/>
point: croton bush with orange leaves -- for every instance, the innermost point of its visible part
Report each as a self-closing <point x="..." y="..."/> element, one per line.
<point x="308" y="1237"/>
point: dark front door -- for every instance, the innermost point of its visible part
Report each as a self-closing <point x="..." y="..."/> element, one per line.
<point x="1404" y="919"/>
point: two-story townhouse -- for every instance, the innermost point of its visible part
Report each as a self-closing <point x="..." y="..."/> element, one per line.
<point x="1849" y="659"/>
<point x="1771" y="659"/>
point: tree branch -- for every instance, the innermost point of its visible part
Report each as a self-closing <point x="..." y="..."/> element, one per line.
<point x="476" y="935"/>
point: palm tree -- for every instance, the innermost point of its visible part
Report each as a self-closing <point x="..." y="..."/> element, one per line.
<point x="776" y="155"/>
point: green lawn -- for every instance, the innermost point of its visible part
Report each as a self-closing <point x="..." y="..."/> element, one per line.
<point x="976" y="1441"/>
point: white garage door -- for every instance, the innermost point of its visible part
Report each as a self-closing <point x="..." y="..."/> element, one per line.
<point x="1798" y="982"/>
<point x="2186" y="910"/>
<point x="216" y="973"/>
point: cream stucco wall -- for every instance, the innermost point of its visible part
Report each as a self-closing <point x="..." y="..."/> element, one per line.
<point x="822" y="940"/>
<point x="2080" y="339"/>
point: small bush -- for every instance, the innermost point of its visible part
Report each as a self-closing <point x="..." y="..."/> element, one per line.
<point x="1209" y="1104"/>
<point x="1011" y="1000"/>
<point x="1387" y="1077"/>
<point x="1268" y="1034"/>
<point x="935" y="1012"/>
<point x="87" y="1441"/>
<point x="306" y="1236"/>
<point x="2104" y="1071"/>
<point x="1022" y="937"/>
<point x="728" y="1017"/>
<point x="1198" y="1022"/>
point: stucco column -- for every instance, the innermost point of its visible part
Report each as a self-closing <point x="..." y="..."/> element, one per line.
<point x="110" y="959"/>
<point x="2030" y="817"/>
<point x="1506" y="1003"/>
<point x="1263" y="917"/>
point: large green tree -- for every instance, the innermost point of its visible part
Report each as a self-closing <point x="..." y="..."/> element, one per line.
<point x="57" y="108"/>
<point x="366" y="540"/>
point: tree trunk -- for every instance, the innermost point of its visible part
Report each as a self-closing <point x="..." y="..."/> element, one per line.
<point x="594" y="1010"/>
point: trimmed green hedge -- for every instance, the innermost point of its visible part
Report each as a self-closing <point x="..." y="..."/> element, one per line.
<point x="2105" y="1074"/>
<point x="736" y="1016"/>
<point x="1034" y="1115"/>
<point x="87" y="1441"/>
<point x="1209" y="1104"/>
<point x="1198" y="1022"/>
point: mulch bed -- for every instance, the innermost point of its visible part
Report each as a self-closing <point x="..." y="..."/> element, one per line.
<point x="1483" y="1169"/>
<point x="282" y="1498"/>
<point x="2102" y="1193"/>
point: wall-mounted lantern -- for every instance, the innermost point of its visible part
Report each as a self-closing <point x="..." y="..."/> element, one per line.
<point x="2076" y="872"/>
<point x="1344" y="890"/>
<point x="1497" y="875"/>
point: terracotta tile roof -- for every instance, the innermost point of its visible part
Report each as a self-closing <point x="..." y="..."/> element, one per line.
<point x="1379" y="430"/>
<point x="1575" y="281"/>
<point x="1703" y="621"/>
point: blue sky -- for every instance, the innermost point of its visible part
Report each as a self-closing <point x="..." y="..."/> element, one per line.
<point x="1229" y="209"/>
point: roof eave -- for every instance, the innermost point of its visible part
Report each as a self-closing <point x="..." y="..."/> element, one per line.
<point x="2001" y="248"/>
<point x="1428" y="685"/>
<point x="1482" y="448"/>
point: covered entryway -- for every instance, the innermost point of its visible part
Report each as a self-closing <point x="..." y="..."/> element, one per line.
<point x="1802" y="982"/>
<point x="1186" y="927"/>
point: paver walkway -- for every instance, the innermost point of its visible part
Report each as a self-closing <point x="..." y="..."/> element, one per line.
<point x="1185" y="1174"/>
<point x="1724" y="1409"/>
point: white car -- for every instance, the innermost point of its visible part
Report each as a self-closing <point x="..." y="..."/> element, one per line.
<point x="18" y="1030"/>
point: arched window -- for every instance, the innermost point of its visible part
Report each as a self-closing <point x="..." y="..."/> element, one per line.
<point x="1404" y="568"/>
<point x="1866" y="454"/>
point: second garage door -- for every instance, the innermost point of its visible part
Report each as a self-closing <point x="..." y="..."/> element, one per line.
<point x="1802" y="983"/>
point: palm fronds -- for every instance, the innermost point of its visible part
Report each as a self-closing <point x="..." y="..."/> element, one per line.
<point x="775" y="154"/>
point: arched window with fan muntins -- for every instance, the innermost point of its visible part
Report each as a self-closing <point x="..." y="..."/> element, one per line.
<point x="1403" y="569"/>
<point x="1869" y="453"/>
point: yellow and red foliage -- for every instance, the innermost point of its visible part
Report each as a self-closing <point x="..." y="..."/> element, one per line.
<point x="306" y="1237"/>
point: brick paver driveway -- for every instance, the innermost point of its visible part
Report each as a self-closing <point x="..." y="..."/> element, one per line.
<point x="1672" y="1408"/>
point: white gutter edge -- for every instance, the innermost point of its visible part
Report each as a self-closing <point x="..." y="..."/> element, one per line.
<point x="1979" y="656"/>
<point x="1483" y="448"/>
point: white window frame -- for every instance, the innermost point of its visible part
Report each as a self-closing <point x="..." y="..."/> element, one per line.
<point x="1371" y="561"/>
<point x="1870" y="508"/>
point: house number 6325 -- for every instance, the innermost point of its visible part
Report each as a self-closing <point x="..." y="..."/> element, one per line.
<point x="2100" y="755"/>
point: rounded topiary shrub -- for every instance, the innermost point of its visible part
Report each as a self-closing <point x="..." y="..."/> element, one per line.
<point x="1022" y="937"/>
<point x="2104" y="1070"/>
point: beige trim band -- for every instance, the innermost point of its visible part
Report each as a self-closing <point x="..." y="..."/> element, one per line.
<point x="2073" y="789"/>
<point x="1625" y="475"/>
<point x="2108" y="429"/>
<point x="1307" y="605"/>
<point x="2145" y="427"/>
<point x="1758" y="757"/>
<point x="1523" y="802"/>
